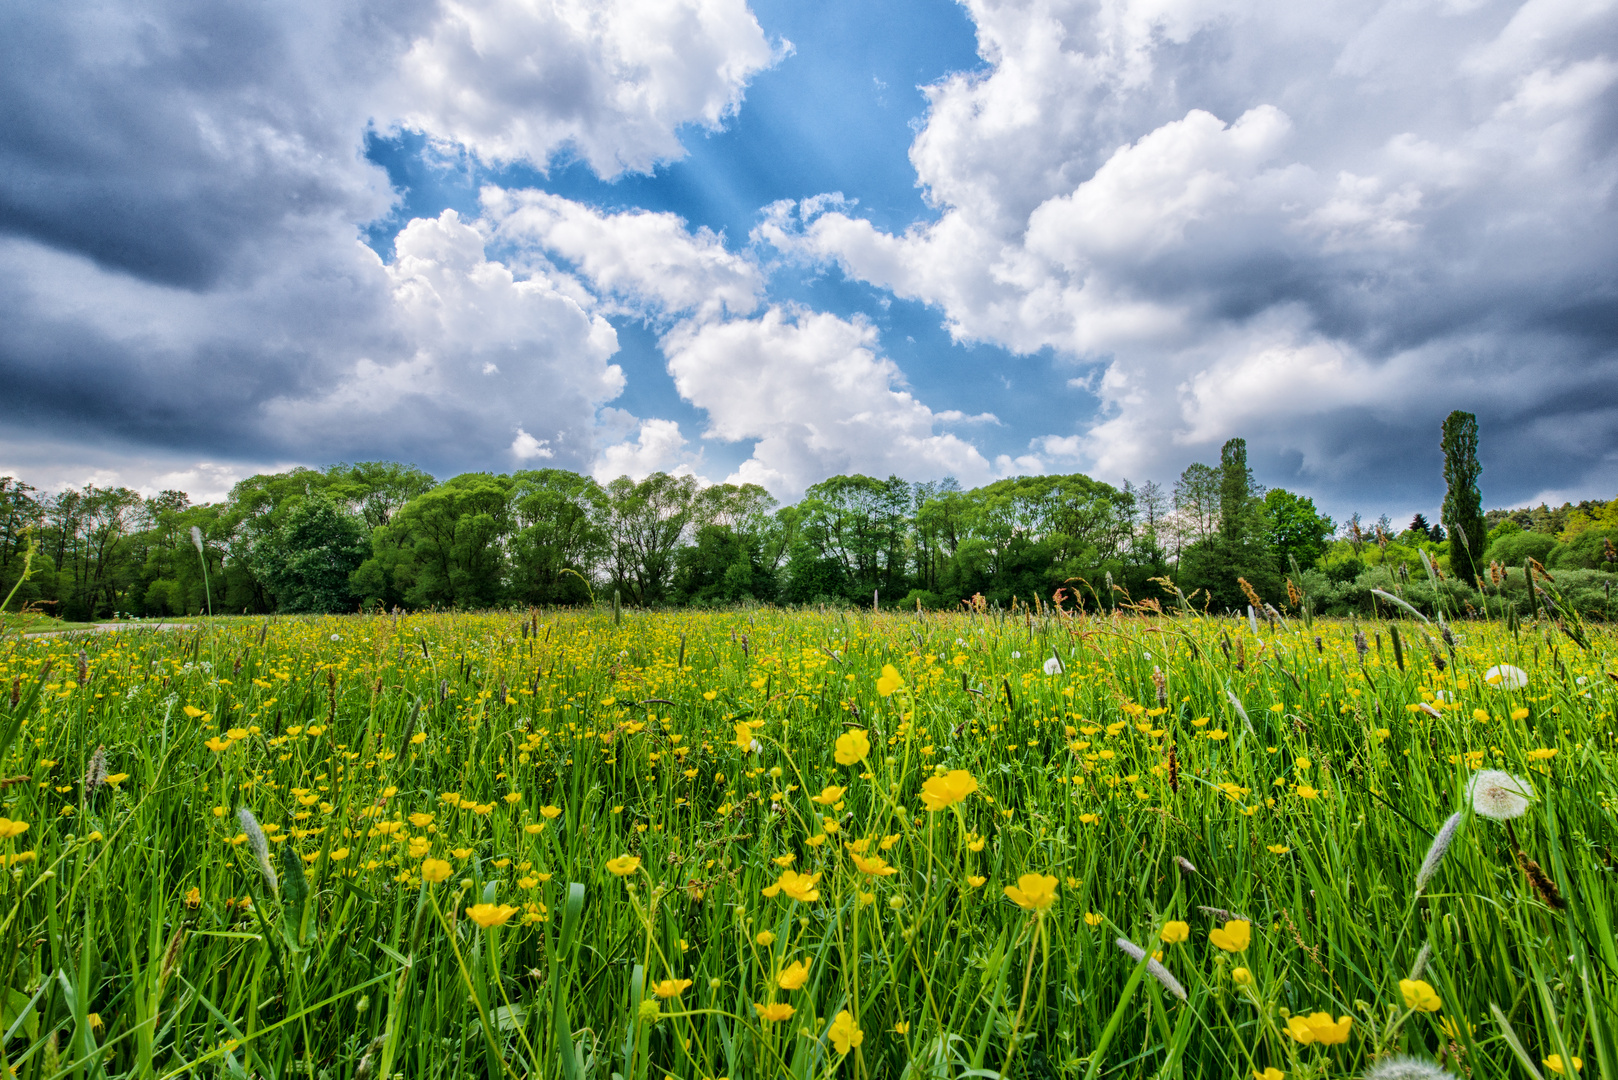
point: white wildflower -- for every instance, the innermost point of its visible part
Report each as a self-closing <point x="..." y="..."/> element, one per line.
<point x="1053" y="666"/>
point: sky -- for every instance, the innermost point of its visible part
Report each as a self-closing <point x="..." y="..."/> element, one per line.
<point x="775" y="242"/>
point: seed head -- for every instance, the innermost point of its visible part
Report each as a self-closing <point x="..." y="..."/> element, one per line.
<point x="1406" y="1068"/>
<point x="1153" y="968"/>
<point x="1499" y="795"/>
<point x="260" y="847"/>
<point x="196" y="538"/>
<point x="1435" y="853"/>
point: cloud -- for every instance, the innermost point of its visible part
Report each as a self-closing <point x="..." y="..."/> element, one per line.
<point x="811" y="388"/>
<point x="1318" y="227"/>
<point x="182" y="187"/>
<point x="614" y="80"/>
<point x="649" y="263"/>
<point x="658" y="446"/>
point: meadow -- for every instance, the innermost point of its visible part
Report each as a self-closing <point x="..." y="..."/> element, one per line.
<point x="760" y="844"/>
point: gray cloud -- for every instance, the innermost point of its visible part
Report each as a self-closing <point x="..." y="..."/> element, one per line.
<point x="1320" y="227"/>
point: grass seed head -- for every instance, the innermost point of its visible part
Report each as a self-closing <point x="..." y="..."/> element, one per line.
<point x="1153" y="968"/>
<point x="1436" y="851"/>
<point x="260" y="848"/>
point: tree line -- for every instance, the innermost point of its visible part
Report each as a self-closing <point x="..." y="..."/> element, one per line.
<point x="382" y="534"/>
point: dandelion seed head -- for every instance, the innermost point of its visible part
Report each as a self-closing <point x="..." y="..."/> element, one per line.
<point x="1506" y="677"/>
<point x="1499" y="795"/>
<point x="1405" y="1068"/>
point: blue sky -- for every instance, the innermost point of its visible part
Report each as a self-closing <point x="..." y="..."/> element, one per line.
<point x="768" y="242"/>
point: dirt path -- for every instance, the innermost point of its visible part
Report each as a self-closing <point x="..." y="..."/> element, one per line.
<point x="110" y="627"/>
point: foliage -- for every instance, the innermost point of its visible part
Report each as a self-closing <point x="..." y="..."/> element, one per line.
<point x="782" y="845"/>
<point x="1463" y="505"/>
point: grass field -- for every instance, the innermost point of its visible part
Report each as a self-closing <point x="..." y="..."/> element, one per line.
<point x="768" y="844"/>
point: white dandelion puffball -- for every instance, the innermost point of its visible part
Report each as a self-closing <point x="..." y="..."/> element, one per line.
<point x="1506" y="677"/>
<point x="1016" y="656"/>
<point x="1499" y="795"/>
<point x="1406" y="1068"/>
<point x="1053" y="666"/>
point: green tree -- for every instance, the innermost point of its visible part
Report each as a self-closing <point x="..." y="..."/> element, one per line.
<point x="1236" y="492"/>
<point x="445" y="547"/>
<point x="1463" y="504"/>
<point x="646" y="523"/>
<point x="309" y="560"/>
<point x="1296" y="529"/>
<point x="559" y="522"/>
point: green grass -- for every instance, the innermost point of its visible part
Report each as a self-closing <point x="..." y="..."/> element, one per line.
<point x="142" y="937"/>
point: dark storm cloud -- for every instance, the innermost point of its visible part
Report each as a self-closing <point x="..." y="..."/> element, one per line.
<point x="161" y="138"/>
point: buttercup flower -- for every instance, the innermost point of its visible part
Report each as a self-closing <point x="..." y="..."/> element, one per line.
<point x="939" y="792"/>
<point x="487" y="915"/>
<point x="774" y="1012"/>
<point x="798" y="886"/>
<point x="852" y="747"/>
<point x="1175" y="932"/>
<point x="434" y="870"/>
<point x="1033" y="892"/>
<point x="1319" y="1028"/>
<point x="874" y="865"/>
<point x="1554" y="1064"/>
<point x="889" y="681"/>
<point x="669" y="988"/>
<point x="1234" y="936"/>
<point x="1420" y="995"/>
<point x="845" y="1034"/>
<point x="794" y="975"/>
<point x="623" y="865"/>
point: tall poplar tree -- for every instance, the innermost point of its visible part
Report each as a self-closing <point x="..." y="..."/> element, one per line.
<point x="1463" y="504"/>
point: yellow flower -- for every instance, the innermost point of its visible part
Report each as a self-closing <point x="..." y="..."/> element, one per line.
<point x="338" y="854"/>
<point x="1234" y="936"/>
<point x="1319" y="1028"/>
<point x="775" y="1011"/>
<point x="875" y="866"/>
<point x="513" y="797"/>
<point x="192" y="711"/>
<point x="1420" y="995"/>
<point x="1241" y="976"/>
<point x="1269" y="1073"/>
<point x="793" y="975"/>
<point x="421" y="821"/>
<point x="669" y="988"/>
<point x="1554" y="1064"/>
<point x="1279" y="849"/>
<point x="1542" y="754"/>
<point x="487" y="915"/>
<point x="10" y="829"/>
<point x="765" y="938"/>
<point x="902" y="1027"/>
<point x="744" y="738"/>
<point x="1175" y="932"/>
<point x="623" y="865"/>
<point x="1307" y="792"/>
<point x="938" y="792"/>
<point x="1089" y="819"/>
<point x="845" y="1034"/>
<point x="551" y="811"/>
<point x="193" y="898"/>
<point x="1092" y="918"/>
<point x="974" y="881"/>
<point x="796" y="885"/>
<point x="418" y="738"/>
<point x="217" y="745"/>
<point x="534" y="828"/>
<point x="432" y="870"/>
<point x="1520" y="714"/>
<point x="1034" y="892"/>
<point x="889" y="682"/>
<point x="852" y="747"/>
<point x="828" y="795"/>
